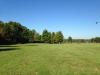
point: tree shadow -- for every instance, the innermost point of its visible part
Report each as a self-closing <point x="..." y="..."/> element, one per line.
<point x="8" y="49"/>
<point x="7" y="43"/>
<point x="31" y="45"/>
<point x="12" y="47"/>
<point x="7" y="46"/>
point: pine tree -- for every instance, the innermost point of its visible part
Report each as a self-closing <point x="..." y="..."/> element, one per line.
<point x="58" y="38"/>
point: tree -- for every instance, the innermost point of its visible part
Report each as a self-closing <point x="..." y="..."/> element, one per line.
<point x="49" y="37"/>
<point x="2" y="34"/>
<point x="31" y="35"/>
<point x="58" y="38"/>
<point x="14" y="32"/>
<point x="1" y="29"/>
<point x="37" y="37"/>
<point x="52" y="37"/>
<point x="70" y="39"/>
<point x="25" y="35"/>
<point x="45" y="36"/>
<point x="92" y="40"/>
<point x="96" y="40"/>
<point x="9" y="31"/>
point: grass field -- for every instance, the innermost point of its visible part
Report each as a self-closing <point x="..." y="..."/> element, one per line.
<point x="50" y="59"/>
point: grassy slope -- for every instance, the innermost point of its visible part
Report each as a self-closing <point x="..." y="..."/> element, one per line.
<point x="48" y="59"/>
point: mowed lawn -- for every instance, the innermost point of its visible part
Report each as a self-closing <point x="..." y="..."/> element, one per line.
<point x="50" y="59"/>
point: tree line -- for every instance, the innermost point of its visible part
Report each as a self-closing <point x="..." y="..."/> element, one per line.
<point x="95" y="40"/>
<point x="92" y="40"/>
<point x="13" y="32"/>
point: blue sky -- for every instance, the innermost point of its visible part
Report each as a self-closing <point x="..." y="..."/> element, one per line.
<point x="74" y="18"/>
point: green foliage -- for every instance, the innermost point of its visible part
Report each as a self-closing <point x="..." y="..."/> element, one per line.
<point x="49" y="37"/>
<point x="31" y="35"/>
<point x="70" y="39"/>
<point x="37" y="37"/>
<point x="1" y="30"/>
<point x="53" y="37"/>
<point x="58" y="38"/>
<point x="46" y="36"/>
<point x="14" y="32"/>
<point x="96" y="40"/>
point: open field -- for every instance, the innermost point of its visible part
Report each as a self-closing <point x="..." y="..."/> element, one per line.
<point x="50" y="59"/>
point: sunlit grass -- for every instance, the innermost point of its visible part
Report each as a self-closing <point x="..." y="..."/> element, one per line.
<point x="50" y="59"/>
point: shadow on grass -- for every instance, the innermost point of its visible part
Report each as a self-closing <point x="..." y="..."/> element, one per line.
<point x="7" y="46"/>
<point x="31" y="45"/>
<point x="8" y="49"/>
<point x="11" y="47"/>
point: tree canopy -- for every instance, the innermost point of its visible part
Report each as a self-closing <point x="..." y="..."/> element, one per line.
<point x="14" y="32"/>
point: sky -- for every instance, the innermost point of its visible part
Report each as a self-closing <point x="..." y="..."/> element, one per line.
<point x="76" y="18"/>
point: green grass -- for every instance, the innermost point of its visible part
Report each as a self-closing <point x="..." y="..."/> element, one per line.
<point x="50" y="59"/>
